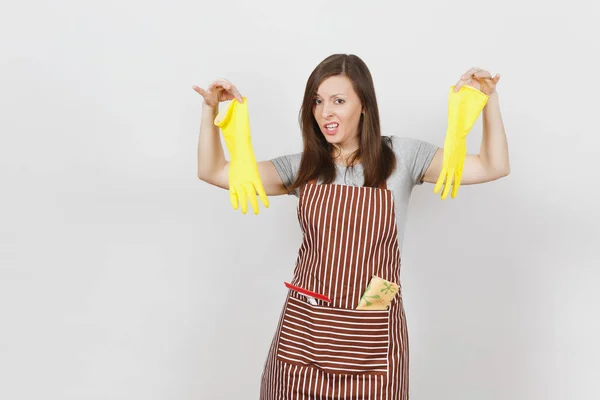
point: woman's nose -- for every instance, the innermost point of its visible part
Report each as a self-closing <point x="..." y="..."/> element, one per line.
<point x="326" y="111"/>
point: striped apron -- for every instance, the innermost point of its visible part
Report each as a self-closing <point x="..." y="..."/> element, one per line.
<point x="331" y="350"/>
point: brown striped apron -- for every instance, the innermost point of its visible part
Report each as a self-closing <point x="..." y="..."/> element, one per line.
<point x="331" y="350"/>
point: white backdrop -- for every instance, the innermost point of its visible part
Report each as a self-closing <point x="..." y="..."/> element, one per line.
<point x="122" y="276"/>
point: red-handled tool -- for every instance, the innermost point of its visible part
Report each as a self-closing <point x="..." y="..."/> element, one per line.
<point x="307" y="292"/>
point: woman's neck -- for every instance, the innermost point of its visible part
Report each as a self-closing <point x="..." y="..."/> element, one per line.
<point x="341" y="155"/>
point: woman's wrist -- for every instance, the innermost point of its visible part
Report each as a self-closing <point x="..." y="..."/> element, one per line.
<point x="208" y="108"/>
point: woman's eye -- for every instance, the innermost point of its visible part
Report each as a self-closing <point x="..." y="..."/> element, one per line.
<point x="317" y="101"/>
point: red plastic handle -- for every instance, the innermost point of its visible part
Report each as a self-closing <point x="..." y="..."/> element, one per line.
<point x="307" y="292"/>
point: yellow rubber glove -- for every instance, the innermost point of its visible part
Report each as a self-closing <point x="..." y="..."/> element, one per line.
<point x="244" y="179"/>
<point x="464" y="108"/>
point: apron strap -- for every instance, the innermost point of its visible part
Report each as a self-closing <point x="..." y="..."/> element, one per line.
<point x="382" y="185"/>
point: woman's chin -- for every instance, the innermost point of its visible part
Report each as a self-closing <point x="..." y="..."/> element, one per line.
<point x="332" y="138"/>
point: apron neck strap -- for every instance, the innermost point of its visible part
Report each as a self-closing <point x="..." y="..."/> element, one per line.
<point x="382" y="185"/>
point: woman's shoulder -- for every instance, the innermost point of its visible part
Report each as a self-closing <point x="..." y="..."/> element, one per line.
<point x="287" y="164"/>
<point x="412" y="154"/>
<point x="398" y="140"/>
<point x="293" y="158"/>
<point x="403" y="144"/>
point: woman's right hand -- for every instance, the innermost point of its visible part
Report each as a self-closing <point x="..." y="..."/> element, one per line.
<point x="218" y="91"/>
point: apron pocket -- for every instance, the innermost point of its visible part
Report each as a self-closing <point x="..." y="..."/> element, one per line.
<point x="335" y="340"/>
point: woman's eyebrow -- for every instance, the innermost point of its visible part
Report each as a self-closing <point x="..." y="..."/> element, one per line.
<point x="333" y="95"/>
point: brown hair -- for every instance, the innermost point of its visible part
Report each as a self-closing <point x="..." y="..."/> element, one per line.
<point x="374" y="151"/>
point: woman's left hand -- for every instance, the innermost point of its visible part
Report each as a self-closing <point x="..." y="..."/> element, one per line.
<point x="480" y="79"/>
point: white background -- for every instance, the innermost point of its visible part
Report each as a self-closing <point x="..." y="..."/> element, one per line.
<point x="122" y="276"/>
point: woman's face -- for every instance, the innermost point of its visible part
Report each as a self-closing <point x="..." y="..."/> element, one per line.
<point x="337" y="105"/>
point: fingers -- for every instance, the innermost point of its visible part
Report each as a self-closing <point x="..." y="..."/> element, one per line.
<point x="249" y="188"/>
<point x="458" y="179"/>
<point x="243" y="198"/>
<point x="469" y="74"/>
<point x="449" y="179"/>
<point x="233" y="198"/>
<point x="253" y="191"/>
<point x="440" y="181"/>
<point x="242" y="193"/>
<point x="456" y="184"/>
<point x="237" y="94"/>
<point x="205" y="94"/>
<point x="472" y="73"/>
<point x="228" y="86"/>
<point x="211" y="99"/>
<point x="460" y="84"/>
<point x="199" y="90"/>
<point x="452" y="180"/>
<point x="494" y="80"/>
<point x="261" y="193"/>
<point x="481" y="76"/>
<point x="464" y="78"/>
<point x="482" y="73"/>
<point x="220" y="83"/>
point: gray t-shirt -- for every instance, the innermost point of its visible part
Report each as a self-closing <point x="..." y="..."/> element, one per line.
<point x="413" y="157"/>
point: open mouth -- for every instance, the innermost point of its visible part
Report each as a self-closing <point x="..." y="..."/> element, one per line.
<point x="332" y="128"/>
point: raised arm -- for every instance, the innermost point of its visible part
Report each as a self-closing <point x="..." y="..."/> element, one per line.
<point x="213" y="168"/>
<point x="492" y="162"/>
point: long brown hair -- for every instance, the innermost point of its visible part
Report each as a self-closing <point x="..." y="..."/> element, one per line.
<point x="374" y="151"/>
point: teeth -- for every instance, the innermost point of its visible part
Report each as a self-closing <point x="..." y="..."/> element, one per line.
<point x="331" y="126"/>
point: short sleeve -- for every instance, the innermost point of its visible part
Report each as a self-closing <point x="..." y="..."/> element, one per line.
<point x="287" y="167"/>
<point x="415" y="155"/>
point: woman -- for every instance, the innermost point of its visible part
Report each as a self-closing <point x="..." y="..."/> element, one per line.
<point x="353" y="186"/>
